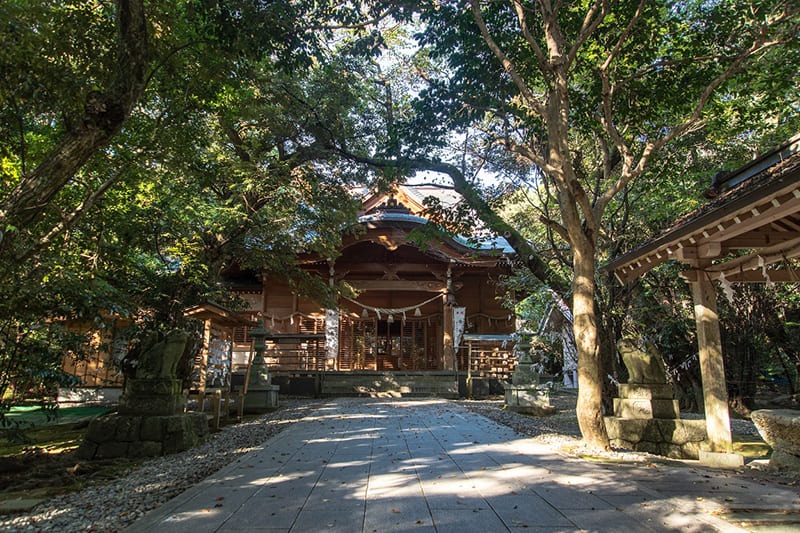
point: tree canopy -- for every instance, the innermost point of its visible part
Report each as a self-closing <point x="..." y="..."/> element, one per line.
<point x="144" y="147"/>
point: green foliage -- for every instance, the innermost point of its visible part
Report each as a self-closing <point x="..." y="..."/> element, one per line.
<point x="224" y="160"/>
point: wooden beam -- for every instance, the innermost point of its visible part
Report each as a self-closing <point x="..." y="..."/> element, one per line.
<point x="760" y="238"/>
<point x="448" y="338"/>
<point x="380" y="268"/>
<point x="765" y="256"/>
<point x="630" y="272"/>
<point x="712" y="368"/>
<point x="748" y="276"/>
<point x="397" y="285"/>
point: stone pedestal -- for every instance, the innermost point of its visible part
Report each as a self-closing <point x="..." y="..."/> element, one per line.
<point x="780" y="428"/>
<point x="647" y="419"/>
<point x="646" y="401"/>
<point x="523" y="394"/>
<point x="155" y="396"/>
<point x="646" y="415"/>
<point x="150" y="420"/>
<point x="262" y="395"/>
<point x="121" y="435"/>
<point x="528" y="399"/>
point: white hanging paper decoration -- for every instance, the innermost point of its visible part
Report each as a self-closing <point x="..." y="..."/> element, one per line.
<point x="379" y="314"/>
<point x="291" y="320"/>
<point x="390" y="319"/>
<point x="727" y="289"/>
<point x="364" y="313"/>
<point x="417" y="312"/>
<point x="763" y="265"/>
<point x="273" y="321"/>
<point x="404" y="316"/>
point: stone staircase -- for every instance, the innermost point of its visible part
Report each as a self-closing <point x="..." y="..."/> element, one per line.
<point x="389" y="384"/>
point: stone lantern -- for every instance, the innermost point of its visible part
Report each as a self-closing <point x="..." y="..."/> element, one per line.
<point x="523" y="394"/>
<point x="262" y="395"/>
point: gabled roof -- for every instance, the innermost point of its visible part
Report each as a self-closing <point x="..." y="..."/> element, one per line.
<point x="756" y="207"/>
<point x="406" y="203"/>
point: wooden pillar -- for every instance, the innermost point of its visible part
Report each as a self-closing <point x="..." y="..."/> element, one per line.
<point x="448" y="354"/>
<point x="712" y="369"/>
<point x="448" y="324"/>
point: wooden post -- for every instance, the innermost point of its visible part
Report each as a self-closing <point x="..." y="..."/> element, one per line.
<point x="448" y="337"/>
<point x="712" y="369"/>
<point x="201" y="397"/>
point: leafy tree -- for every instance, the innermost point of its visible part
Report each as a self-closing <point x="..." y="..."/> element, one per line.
<point x="586" y="95"/>
<point x="168" y="138"/>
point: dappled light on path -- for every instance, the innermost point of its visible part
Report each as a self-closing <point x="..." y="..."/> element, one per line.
<point x="378" y="465"/>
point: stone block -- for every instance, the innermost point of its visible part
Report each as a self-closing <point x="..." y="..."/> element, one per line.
<point x="152" y="428"/>
<point x="128" y="428"/>
<point x="199" y="424"/>
<point x="660" y="391"/>
<point x="782" y="461"/>
<point x="112" y="450"/>
<point x="175" y="424"/>
<point x="780" y="428"/>
<point x="145" y="448"/>
<point x="102" y="429"/>
<point x="721" y="460"/>
<point x="683" y="431"/>
<point x="261" y="400"/>
<point x="179" y="441"/>
<point x="528" y="399"/>
<point x="645" y="408"/>
<point x="671" y="438"/>
<point x="86" y="450"/>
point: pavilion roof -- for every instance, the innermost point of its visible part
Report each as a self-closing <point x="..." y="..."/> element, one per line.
<point x="756" y="207"/>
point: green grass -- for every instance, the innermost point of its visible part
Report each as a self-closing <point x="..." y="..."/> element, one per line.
<point x="34" y="416"/>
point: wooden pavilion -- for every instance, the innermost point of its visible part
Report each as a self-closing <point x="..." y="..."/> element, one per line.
<point x="748" y="232"/>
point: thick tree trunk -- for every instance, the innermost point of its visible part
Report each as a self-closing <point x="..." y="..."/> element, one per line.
<point x="590" y="371"/>
<point x="105" y="114"/>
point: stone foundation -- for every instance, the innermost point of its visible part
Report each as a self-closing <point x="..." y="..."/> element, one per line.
<point x="679" y="439"/>
<point x="647" y="419"/>
<point x="120" y="435"/>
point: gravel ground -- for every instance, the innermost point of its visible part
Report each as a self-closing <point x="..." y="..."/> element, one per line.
<point x="115" y="505"/>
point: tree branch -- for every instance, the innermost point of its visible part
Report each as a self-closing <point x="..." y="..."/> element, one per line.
<point x="543" y="66"/>
<point x="104" y="116"/>
<point x="590" y="23"/>
<point x="509" y="67"/>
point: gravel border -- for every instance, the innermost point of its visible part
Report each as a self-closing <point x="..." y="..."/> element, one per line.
<point x="115" y="505"/>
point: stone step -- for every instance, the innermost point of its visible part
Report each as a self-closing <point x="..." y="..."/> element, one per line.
<point x="395" y="384"/>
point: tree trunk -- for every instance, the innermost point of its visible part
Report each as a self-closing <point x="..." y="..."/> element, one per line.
<point x="590" y="371"/>
<point x="104" y="115"/>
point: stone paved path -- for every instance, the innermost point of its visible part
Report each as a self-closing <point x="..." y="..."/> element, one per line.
<point x="432" y="466"/>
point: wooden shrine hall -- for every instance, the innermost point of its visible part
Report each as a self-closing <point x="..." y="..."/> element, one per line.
<point x="411" y="305"/>
<point x="749" y="232"/>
